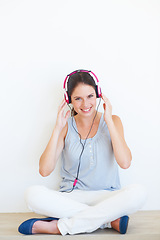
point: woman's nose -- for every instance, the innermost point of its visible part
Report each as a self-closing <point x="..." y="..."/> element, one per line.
<point x="85" y="102"/>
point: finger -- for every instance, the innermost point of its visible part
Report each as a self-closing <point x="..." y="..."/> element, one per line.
<point x="62" y="105"/>
<point x="104" y="97"/>
<point x="106" y="100"/>
<point x="67" y="115"/>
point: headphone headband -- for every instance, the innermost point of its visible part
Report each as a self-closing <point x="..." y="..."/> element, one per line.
<point x="98" y="89"/>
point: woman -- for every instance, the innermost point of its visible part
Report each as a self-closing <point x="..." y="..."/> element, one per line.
<point x="91" y="145"/>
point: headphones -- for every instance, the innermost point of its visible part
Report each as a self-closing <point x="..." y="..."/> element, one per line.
<point x="97" y="88"/>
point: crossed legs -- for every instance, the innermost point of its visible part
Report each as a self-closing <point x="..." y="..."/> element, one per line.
<point x="84" y="211"/>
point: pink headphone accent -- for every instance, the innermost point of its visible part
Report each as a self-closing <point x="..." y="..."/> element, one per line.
<point x="98" y="89"/>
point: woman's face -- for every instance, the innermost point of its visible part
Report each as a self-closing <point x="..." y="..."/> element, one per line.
<point x="83" y="99"/>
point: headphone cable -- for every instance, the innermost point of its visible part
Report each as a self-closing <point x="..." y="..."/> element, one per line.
<point x="83" y="145"/>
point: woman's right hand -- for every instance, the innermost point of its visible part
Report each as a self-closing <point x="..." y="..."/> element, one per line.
<point x="55" y="145"/>
<point x="61" y="118"/>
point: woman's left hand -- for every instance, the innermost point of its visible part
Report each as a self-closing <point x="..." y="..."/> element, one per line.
<point x="107" y="109"/>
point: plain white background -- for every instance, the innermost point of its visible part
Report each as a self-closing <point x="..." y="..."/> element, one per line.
<point x="41" y="41"/>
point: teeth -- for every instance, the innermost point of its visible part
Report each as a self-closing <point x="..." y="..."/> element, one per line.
<point x="86" y="110"/>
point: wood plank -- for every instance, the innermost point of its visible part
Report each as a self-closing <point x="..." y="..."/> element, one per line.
<point x="143" y="225"/>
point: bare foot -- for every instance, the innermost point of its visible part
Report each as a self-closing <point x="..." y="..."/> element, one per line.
<point x="46" y="227"/>
<point x="115" y="224"/>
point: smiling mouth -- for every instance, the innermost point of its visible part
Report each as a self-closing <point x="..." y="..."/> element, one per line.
<point x="86" y="110"/>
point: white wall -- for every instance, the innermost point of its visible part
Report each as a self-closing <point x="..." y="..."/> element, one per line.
<point x="43" y="40"/>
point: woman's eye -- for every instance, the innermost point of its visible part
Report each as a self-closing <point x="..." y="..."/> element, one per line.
<point x="77" y="99"/>
<point x="90" y="96"/>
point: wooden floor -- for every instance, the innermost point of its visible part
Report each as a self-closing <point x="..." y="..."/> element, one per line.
<point x="144" y="225"/>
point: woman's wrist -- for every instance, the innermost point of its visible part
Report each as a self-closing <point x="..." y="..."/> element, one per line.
<point x="57" y="130"/>
<point x="109" y="122"/>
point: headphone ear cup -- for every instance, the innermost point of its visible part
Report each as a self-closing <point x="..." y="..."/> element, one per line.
<point x="67" y="97"/>
<point x="98" y="91"/>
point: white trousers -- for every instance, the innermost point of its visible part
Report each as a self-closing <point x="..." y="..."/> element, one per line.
<point x="85" y="211"/>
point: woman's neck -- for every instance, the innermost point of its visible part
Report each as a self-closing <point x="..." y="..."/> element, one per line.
<point x="87" y="121"/>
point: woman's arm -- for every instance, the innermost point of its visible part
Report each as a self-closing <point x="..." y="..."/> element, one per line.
<point x="122" y="153"/>
<point x="55" y="145"/>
